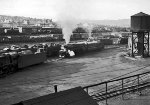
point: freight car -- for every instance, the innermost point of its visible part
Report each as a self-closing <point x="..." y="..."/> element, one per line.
<point x="106" y="41"/>
<point x="123" y="40"/>
<point x="14" y="60"/>
<point x="52" y="49"/>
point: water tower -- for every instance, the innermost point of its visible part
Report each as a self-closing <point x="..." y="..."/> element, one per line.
<point x="140" y="27"/>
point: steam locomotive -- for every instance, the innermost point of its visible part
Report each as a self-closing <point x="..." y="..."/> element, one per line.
<point x="81" y="47"/>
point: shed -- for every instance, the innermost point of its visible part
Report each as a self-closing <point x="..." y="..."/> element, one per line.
<point x="74" y="96"/>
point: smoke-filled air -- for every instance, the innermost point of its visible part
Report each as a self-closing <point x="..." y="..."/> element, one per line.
<point x="67" y="24"/>
<point x="69" y="15"/>
<point x="89" y="28"/>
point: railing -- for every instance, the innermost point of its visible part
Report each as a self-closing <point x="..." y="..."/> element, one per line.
<point x="115" y="87"/>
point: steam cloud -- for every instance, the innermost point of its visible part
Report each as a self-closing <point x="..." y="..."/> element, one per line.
<point x="89" y="27"/>
<point x="67" y="24"/>
<point x="70" y="14"/>
<point x="90" y="30"/>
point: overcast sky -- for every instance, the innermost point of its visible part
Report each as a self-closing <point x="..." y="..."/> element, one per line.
<point x="79" y="9"/>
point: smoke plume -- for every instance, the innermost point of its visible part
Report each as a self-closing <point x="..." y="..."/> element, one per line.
<point x="89" y="28"/>
<point x="70" y="14"/>
<point x="68" y="24"/>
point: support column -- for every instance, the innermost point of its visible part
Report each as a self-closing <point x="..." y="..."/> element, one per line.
<point x="106" y="94"/>
<point x="143" y="47"/>
<point x="148" y="43"/>
<point x="55" y="88"/>
<point x="122" y="89"/>
<point x="138" y="77"/>
<point x="87" y="90"/>
<point x="132" y="45"/>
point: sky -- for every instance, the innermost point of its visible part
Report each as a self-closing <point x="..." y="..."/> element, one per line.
<point x="77" y="9"/>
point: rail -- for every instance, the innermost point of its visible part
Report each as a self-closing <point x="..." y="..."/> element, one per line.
<point x="115" y="87"/>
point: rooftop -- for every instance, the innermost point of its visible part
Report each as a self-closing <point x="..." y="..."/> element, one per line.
<point x="141" y="14"/>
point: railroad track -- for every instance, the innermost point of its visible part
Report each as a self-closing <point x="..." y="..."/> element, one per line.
<point x="125" y="85"/>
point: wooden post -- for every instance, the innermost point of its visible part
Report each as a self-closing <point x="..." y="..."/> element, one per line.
<point x="148" y="42"/>
<point x="55" y="88"/>
<point x="122" y="89"/>
<point x="132" y="45"/>
<point x="138" y="80"/>
<point x="87" y="90"/>
<point x="138" y="77"/>
<point x="143" y="35"/>
<point x="106" y="94"/>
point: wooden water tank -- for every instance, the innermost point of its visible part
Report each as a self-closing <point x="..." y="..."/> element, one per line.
<point x="140" y="22"/>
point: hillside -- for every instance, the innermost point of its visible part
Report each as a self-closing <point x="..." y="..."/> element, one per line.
<point x="20" y="19"/>
<point x="120" y="22"/>
<point x="17" y="19"/>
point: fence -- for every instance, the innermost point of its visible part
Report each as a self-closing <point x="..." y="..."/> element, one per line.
<point x="115" y="87"/>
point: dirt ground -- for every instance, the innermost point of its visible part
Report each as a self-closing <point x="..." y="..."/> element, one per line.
<point x="84" y="70"/>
